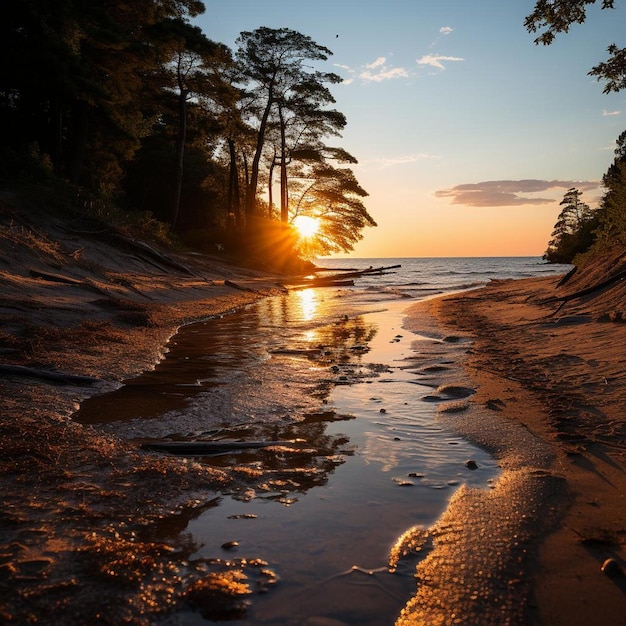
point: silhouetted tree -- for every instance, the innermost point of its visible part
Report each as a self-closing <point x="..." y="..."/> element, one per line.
<point x="275" y="64"/>
<point x="333" y="196"/>
<point x="72" y="77"/>
<point x="190" y="69"/>
<point x="556" y="16"/>
<point x="573" y="231"/>
<point x="611" y="229"/>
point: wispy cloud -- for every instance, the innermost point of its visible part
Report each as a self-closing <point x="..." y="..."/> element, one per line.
<point x="379" y="71"/>
<point x="405" y="159"/>
<point x="374" y="72"/>
<point x="443" y="32"/>
<point x="437" y="60"/>
<point x="496" y="193"/>
<point x="606" y="113"/>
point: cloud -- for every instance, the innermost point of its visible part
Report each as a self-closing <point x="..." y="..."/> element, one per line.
<point x="402" y="159"/>
<point x="379" y="62"/>
<point x="606" y="113"/>
<point x="445" y="30"/>
<point x="436" y="60"/>
<point x="497" y="193"/>
<point x="379" y="71"/>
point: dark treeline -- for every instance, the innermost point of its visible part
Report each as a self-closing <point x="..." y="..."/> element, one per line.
<point x="130" y="103"/>
<point x="582" y="232"/>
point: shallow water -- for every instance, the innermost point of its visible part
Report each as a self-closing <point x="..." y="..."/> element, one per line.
<point x="333" y="376"/>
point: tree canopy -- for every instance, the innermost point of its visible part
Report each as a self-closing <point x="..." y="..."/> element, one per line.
<point x="131" y="103"/>
<point x="551" y="17"/>
<point x="573" y="231"/>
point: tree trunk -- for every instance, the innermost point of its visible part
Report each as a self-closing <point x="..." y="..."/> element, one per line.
<point x="270" y="185"/>
<point x="234" y="198"/>
<point x="180" y="155"/>
<point x="284" y="195"/>
<point x="260" y="142"/>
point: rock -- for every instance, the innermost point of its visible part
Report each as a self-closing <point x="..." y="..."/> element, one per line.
<point x="611" y="568"/>
<point x="229" y="545"/>
<point x="471" y="464"/>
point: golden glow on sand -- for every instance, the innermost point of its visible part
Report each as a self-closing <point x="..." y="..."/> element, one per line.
<point x="306" y="226"/>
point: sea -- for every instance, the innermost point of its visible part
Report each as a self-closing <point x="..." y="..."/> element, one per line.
<point x="344" y="393"/>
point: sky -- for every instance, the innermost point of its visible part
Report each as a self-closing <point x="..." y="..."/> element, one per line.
<point x="467" y="133"/>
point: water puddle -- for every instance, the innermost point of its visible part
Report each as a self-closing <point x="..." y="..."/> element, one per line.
<point x="356" y="457"/>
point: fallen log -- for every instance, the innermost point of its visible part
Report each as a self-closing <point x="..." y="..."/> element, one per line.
<point x="323" y="283"/>
<point x="588" y="291"/>
<point x="141" y="247"/>
<point x="366" y="272"/>
<point x="340" y="279"/>
<point x="198" y="448"/>
<point x="66" y="280"/>
<point x="56" y="377"/>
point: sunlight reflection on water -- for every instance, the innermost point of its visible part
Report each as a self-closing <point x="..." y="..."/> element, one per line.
<point x="320" y="369"/>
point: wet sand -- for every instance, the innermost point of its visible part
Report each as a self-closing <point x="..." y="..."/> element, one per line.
<point x="550" y="400"/>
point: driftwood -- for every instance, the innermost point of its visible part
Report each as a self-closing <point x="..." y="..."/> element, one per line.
<point x="589" y="290"/>
<point x="143" y="248"/>
<point x="609" y="282"/>
<point x="57" y="278"/>
<point x="341" y="278"/>
<point x="66" y="280"/>
<point x="196" y="448"/>
<point x="55" y="377"/>
<point x="324" y="282"/>
<point x="367" y="272"/>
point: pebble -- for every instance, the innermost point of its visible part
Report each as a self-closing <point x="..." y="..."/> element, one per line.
<point x="611" y="568"/>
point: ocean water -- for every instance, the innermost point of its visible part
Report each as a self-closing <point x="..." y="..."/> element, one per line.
<point x="351" y="395"/>
<point x="423" y="277"/>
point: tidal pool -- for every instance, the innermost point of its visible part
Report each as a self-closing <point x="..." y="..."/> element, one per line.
<point x="339" y="387"/>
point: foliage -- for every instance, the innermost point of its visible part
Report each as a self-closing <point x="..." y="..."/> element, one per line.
<point x="573" y="231"/>
<point x="130" y="104"/>
<point x="607" y="229"/>
<point x="288" y="97"/>
<point x="557" y="16"/>
<point x="611" y="216"/>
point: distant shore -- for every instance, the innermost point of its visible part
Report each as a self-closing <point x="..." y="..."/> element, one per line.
<point x="559" y="373"/>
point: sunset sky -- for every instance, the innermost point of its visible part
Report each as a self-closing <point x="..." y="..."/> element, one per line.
<point x="467" y="133"/>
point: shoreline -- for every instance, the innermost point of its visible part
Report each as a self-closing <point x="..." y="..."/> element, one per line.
<point x="92" y="500"/>
<point x="560" y="378"/>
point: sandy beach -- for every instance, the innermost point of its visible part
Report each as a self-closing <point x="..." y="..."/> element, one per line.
<point x="78" y="507"/>
<point x="557" y="370"/>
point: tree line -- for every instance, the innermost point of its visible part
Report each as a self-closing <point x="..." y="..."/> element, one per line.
<point x="129" y="101"/>
<point x="580" y="230"/>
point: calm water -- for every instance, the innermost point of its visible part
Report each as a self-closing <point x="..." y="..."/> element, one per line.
<point x="332" y="375"/>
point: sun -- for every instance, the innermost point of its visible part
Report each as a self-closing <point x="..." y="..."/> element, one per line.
<point x="306" y="226"/>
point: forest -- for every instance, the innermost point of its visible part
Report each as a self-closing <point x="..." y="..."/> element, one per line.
<point x="128" y="112"/>
<point x="128" y="109"/>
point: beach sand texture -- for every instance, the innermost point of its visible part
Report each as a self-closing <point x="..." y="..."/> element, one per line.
<point x="556" y="377"/>
<point x="559" y="370"/>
